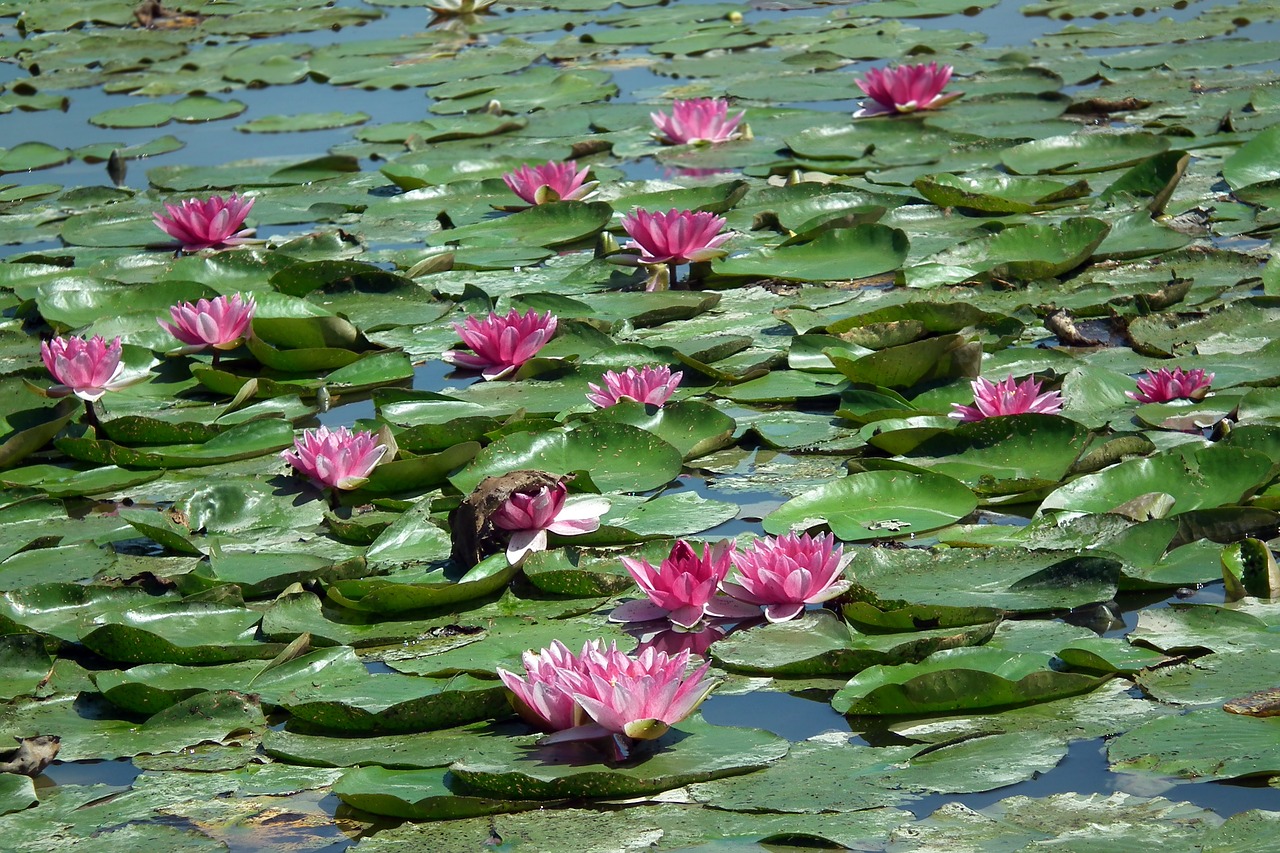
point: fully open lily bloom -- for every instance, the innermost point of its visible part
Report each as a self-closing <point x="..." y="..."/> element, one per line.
<point x="1007" y="398"/>
<point x="221" y="322"/>
<point x="639" y="697"/>
<point x="1164" y="385"/>
<point x="551" y="182"/>
<point x="340" y="458"/>
<point x="544" y="697"/>
<point x="905" y="89"/>
<point x="652" y="386"/>
<point x="86" y="368"/>
<point x="501" y="344"/>
<point x="675" y="237"/>
<point x="697" y="120"/>
<point x="784" y="574"/>
<point x="683" y="588"/>
<point x="209" y="224"/>
<point x="529" y="516"/>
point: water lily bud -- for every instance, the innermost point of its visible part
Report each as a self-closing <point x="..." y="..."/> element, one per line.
<point x="734" y="17"/>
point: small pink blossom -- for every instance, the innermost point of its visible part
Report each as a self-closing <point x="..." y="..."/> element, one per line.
<point x="339" y="459"/>
<point x="1164" y="385"/>
<point x="784" y="574"/>
<point x="501" y="344"/>
<point x="209" y="224"/>
<point x="697" y="120"/>
<point x="652" y="386"/>
<point x="86" y="368"/>
<point x="550" y="182"/>
<point x="675" y="237"/>
<point x="544" y="697"/>
<point x="1007" y="398"/>
<point x="905" y="89"/>
<point x="220" y="323"/>
<point x="529" y="516"/>
<point x="683" y="588"/>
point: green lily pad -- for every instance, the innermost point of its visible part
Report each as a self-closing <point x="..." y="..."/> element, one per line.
<point x="418" y="795"/>
<point x="255" y="438"/>
<point x="1005" y="578"/>
<point x="1077" y="153"/>
<point x="619" y="457"/>
<point x="1195" y="478"/>
<point x="386" y="703"/>
<point x="838" y="254"/>
<point x="821" y="645"/>
<point x="959" y="680"/>
<point x="178" y="632"/>
<point x="1202" y="745"/>
<point x="998" y="193"/>
<point x="153" y="687"/>
<point x="875" y="504"/>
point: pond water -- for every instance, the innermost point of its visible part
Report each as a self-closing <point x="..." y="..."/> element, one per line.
<point x="759" y="473"/>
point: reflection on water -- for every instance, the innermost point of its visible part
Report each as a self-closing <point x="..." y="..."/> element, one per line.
<point x="788" y="716"/>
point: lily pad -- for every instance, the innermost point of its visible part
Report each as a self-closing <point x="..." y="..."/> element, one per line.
<point x="959" y="680"/>
<point x="875" y="504"/>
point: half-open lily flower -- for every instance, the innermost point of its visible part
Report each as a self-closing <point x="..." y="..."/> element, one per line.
<point x="529" y="516"/>
<point x="784" y="574"/>
<point x="209" y="224"/>
<point x="86" y="368"/>
<point x="682" y="589"/>
<point x="675" y="237"/>
<point x="221" y="322"/>
<point x="339" y="459"/>
<point x="501" y="344"/>
<point x="1007" y="398"/>
<point x="640" y="697"/>
<point x="905" y="89"/>
<point x="697" y="120"/>
<point x="1164" y="385"/>
<point x="652" y="386"/>
<point x="544" y="697"/>
<point x="551" y="182"/>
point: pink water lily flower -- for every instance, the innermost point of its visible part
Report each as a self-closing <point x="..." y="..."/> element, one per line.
<point x="1164" y="385"/>
<point x="639" y="697"/>
<point x="528" y="517"/>
<point x="339" y="459"/>
<point x="675" y="237"/>
<point x="1007" y="398"/>
<point x="697" y="120"/>
<point x="544" y="697"/>
<point x="501" y="344"/>
<point x="905" y="89"/>
<point x="551" y="182"/>
<point x="682" y="589"/>
<point x="86" y="368"/>
<point x="633" y="697"/>
<point x="221" y="322"/>
<point x="652" y="386"/>
<point x="209" y="224"/>
<point x="784" y="574"/>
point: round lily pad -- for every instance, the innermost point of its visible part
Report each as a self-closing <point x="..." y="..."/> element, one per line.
<point x="876" y="504"/>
